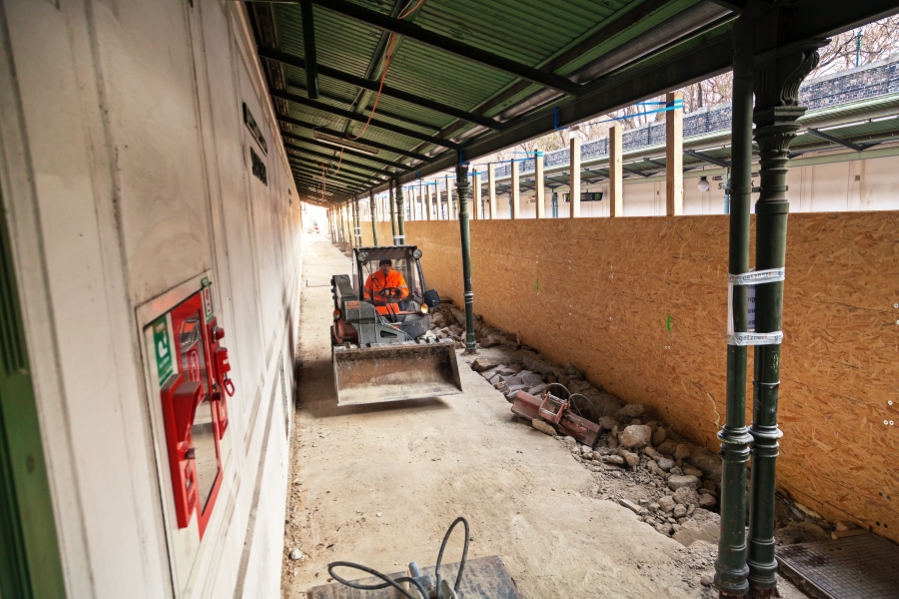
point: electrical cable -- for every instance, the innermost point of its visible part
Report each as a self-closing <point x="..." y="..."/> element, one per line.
<point x="464" y="553"/>
<point x="388" y="582"/>
<point x="388" y="57"/>
<point x="394" y="582"/>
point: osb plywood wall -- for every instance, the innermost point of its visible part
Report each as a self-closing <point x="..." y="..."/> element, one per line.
<point x="639" y="305"/>
<point x="385" y="235"/>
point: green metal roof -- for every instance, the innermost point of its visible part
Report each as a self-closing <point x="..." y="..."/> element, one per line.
<point x="499" y="63"/>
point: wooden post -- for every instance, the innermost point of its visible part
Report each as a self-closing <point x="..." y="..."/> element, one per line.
<point x="674" y="155"/>
<point x="476" y="213"/>
<point x="574" y="184"/>
<point x="516" y="191"/>
<point x="450" y="214"/>
<point x="616" y="176"/>
<point x="491" y="189"/>
<point x="538" y="184"/>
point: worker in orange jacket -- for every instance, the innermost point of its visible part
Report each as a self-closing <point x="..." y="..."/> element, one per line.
<point x="386" y="278"/>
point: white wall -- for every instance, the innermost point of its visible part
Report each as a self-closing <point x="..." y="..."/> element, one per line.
<point x="126" y="172"/>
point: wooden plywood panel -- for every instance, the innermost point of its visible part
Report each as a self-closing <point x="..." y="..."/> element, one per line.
<point x="639" y="305"/>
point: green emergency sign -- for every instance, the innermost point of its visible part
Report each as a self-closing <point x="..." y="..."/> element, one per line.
<point x="162" y="347"/>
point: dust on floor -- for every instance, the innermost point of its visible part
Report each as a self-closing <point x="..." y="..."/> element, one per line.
<point x="379" y="484"/>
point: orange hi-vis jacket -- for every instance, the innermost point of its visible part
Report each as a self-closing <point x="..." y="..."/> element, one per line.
<point x="377" y="281"/>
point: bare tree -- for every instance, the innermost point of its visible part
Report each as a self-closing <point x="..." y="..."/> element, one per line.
<point x="859" y="47"/>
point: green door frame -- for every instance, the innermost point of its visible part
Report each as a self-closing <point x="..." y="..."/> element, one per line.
<point x="31" y="567"/>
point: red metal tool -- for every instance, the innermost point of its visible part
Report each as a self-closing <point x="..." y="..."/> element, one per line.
<point x="555" y="411"/>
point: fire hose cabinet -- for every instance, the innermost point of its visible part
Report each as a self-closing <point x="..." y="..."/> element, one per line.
<point x="189" y="384"/>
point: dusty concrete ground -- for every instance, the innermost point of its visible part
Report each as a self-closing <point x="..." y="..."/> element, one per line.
<point x="379" y="485"/>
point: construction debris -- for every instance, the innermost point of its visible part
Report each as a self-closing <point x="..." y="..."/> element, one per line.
<point x="637" y="460"/>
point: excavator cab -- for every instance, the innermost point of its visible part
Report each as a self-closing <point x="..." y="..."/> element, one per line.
<point x="382" y="350"/>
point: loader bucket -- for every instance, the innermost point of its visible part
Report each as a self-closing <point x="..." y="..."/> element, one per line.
<point x="391" y="373"/>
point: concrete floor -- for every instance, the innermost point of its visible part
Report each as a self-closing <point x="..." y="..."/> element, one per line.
<point x="379" y="485"/>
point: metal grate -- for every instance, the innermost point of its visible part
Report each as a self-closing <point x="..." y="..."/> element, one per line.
<point x="863" y="567"/>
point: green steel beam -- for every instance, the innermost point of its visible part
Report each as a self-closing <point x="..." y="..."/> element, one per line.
<point x="386" y="90"/>
<point x="346" y="150"/>
<point x="344" y="161"/>
<point x="340" y="135"/>
<point x="309" y="49"/>
<point x="353" y="116"/>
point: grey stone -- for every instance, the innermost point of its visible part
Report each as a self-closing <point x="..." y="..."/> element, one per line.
<point x="707" y="462"/>
<point x="296" y="554"/>
<point x="658" y="437"/>
<point x="681" y="452"/>
<point x="516" y="368"/>
<point x="607" y="423"/>
<point x="707" y="501"/>
<point x="531" y="379"/>
<point x="490" y="341"/>
<point x="631" y="410"/>
<point x="652" y="453"/>
<point x="482" y="364"/>
<point x="543" y="427"/>
<point x="666" y="502"/>
<point x="631" y="458"/>
<point x="636" y="436"/>
<point x="676" y="482"/>
<point x="706" y="580"/>
<point x="703" y="526"/>
<point x="679" y="511"/>
<point x="488" y="374"/>
<point x="513" y="379"/>
<point x="686" y="496"/>
<point x="538" y="389"/>
<point x="654" y="507"/>
<point x="692" y="471"/>
<point x="502" y="387"/>
<point x="667" y="447"/>
<point x="666" y="464"/>
<point x="631" y="506"/>
<point x="677" y="471"/>
<point x="613" y="459"/>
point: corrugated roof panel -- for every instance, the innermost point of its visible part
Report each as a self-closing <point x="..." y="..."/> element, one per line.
<point x="453" y="81"/>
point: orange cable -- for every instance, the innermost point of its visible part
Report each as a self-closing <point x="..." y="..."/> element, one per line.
<point x="410" y="11"/>
<point x="380" y="88"/>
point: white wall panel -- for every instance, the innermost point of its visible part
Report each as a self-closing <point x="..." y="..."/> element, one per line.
<point x="136" y="163"/>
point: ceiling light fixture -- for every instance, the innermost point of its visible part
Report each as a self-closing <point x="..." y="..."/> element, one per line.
<point x="343" y="143"/>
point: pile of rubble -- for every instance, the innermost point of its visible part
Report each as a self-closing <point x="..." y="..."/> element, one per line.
<point x="671" y="483"/>
<point x="678" y="479"/>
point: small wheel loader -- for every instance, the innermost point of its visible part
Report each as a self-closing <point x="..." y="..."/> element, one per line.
<point x="382" y="347"/>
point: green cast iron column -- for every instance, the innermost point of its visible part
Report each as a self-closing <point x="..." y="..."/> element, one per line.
<point x="400" y="213"/>
<point x="374" y="218"/>
<point x="392" y="211"/>
<point x="464" y="191"/>
<point x="780" y="73"/>
<point x="730" y="566"/>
